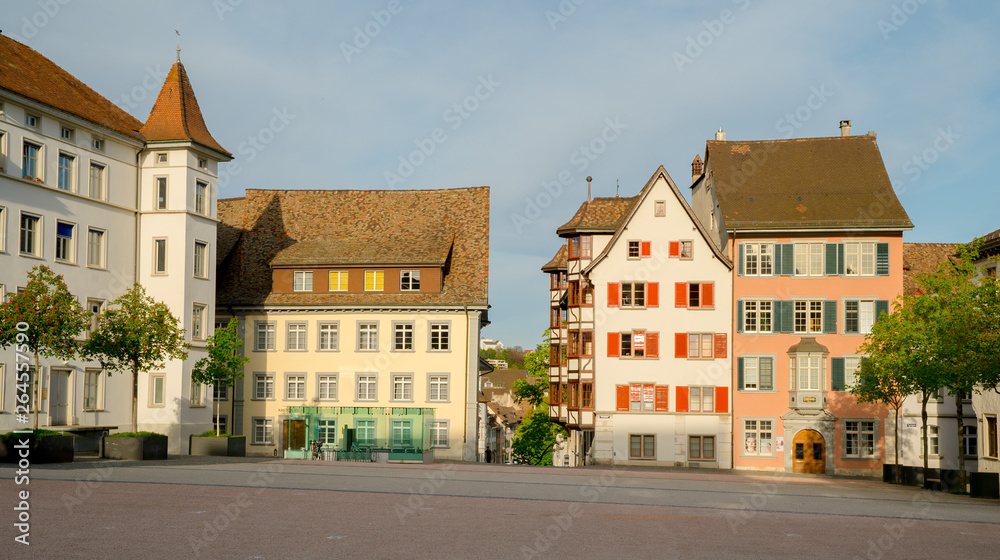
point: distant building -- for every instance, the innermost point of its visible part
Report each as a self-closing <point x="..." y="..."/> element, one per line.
<point x="487" y="344"/>
<point x="504" y="415"/>
<point x="497" y="364"/>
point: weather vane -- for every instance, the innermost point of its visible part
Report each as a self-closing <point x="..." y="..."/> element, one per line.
<point x="178" y="32"/>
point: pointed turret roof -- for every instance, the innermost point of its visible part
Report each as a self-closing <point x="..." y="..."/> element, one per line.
<point x="176" y="116"/>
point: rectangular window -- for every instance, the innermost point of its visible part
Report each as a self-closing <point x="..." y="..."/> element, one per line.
<point x="161" y="158"/>
<point x="96" y="307"/>
<point x="859" y="259"/>
<point x="95" y="248"/>
<point x="402" y="433"/>
<point x="694" y="294"/>
<point x="31" y="166"/>
<point x="201" y="198"/>
<point x="971" y="440"/>
<point x="263" y="386"/>
<point x="302" y="281"/>
<point x="439" y="433"/>
<point x="198" y="322"/>
<point x="200" y="259"/>
<point x="220" y="393"/>
<point x="263" y="431"/>
<point x="758" y="373"/>
<point x="67" y="167"/>
<point x="437" y="388"/>
<point x="327" y="386"/>
<point x="67" y="134"/>
<point x="440" y="337"/>
<point x="329" y="336"/>
<point x="758" y="259"/>
<point x="587" y="344"/>
<point x="402" y="336"/>
<point x="159" y="256"/>
<point x="98" y="179"/>
<point x="586" y="242"/>
<point x="161" y="193"/>
<point x="197" y="395"/>
<point x="687" y="249"/>
<point x="222" y="421"/>
<point x="98" y="144"/>
<point x="701" y="448"/>
<point x="642" y="447"/>
<point x="402" y="387"/>
<point x="3" y="229"/>
<point x="642" y="397"/>
<point x="859" y="316"/>
<point x="65" y="242"/>
<point x="701" y="345"/>
<point x="757" y="438"/>
<point x="265" y="337"/>
<point x="157" y="387"/>
<point x="757" y="316"/>
<point x="932" y="440"/>
<point x="338" y="280"/>
<point x="660" y="208"/>
<point x="295" y="387"/>
<point x="808" y="316"/>
<point x="31" y="120"/>
<point x="990" y="449"/>
<point x="296" y="339"/>
<point x="633" y="294"/>
<point x="328" y="432"/>
<point x="409" y="281"/>
<point x="93" y="390"/>
<point x="702" y="399"/>
<point x="808" y="371"/>
<point x="368" y="336"/>
<point x="809" y="258"/>
<point x="859" y="439"/>
<point x="374" y="280"/>
<point x="851" y="366"/>
<point x="30" y="235"/>
<point x="366" y="387"/>
<point x="587" y="395"/>
<point x="364" y="432"/>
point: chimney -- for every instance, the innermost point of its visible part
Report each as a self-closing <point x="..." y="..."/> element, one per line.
<point x="845" y="128"/>
<point x="589" y="179"/>
<point x="720" y="135"/>
<point x="697" y="168"/>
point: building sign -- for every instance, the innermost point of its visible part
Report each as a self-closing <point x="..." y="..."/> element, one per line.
<point x="639" y="341"/>
<point x="780" y="443"/>
<point x="635" y="393"/>
<point x="648" y="393"/>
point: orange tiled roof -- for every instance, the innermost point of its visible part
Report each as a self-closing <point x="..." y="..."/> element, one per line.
<point x="923" y="258"/>
<point x="262" y="225"/>
<point x="25" y="72"/>
<point x="558" y="262"/>
<point x="176" y="116"/>
<point x="598" y="214"/>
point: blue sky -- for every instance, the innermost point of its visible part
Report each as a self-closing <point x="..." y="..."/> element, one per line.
<point x="512" y="94"/>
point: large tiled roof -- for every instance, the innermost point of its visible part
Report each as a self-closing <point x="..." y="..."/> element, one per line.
<point x="558" y="262"/>
<point x="598" y="214"/>
<point x="991" y="243"/>
<point x="923" y="258"/>
<point x="25" y="72"/>
<point x="176" y="115"/>
<point x="835" y="182"/>
<point x="268" y="223"/>
<point x="371" y="249"/>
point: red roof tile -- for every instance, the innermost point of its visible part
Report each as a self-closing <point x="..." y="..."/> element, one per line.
<point x="176" y="115"/>
<point x="923" y="258"/>
<point x="598" y="215"/>
<point x="558" y="262"/>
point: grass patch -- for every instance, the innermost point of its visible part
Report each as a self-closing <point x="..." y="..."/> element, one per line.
<point x="137" y="434"/>
<point x="211" y="433"/>
<point x="35" y="434"/>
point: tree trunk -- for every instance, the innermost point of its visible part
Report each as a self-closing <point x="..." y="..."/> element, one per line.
<point x="897" y="472"/>
<point x="135" y="396"/>
<point x="216" y="416"/>
<point x="961" y="439"/>
<point x="36" y="387"/>
<point x="923" y="416"/>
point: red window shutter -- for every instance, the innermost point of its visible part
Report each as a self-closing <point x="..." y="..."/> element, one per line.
<point x="680" y="294"/>
<point x="680" y="345"/>
<point x="652" y="294"/>
<point x="721" y="399"/>
<point x="652" y="345"/>
<point x="614" y="344"/>
<point x="708" y="294"/>
<point x="612" y="294"/>
<point x="646" y="249"/>
<point x="682" y="399"/>
<point x="675" y="249"/>
<point x="554" y="393"/>
<point x="662" y="396"/>
<point x="621" y="397"/>
<point x="720" y="345"/>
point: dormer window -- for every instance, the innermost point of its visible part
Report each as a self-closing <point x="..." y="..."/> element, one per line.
<point x="302" y="281"/>
<point x="374" y="280"/>
<point x="409" y="281"/>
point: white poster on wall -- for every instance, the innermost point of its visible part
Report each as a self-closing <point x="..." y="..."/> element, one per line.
<point x="780" y="443"/>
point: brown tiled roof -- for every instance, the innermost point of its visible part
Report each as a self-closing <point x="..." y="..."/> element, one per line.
<point x="266" y="222"/>
<point x="558" y="262"/>
<point x="176" y="116"/>
<point x="835" y="182"/>
<point x="923" y="258"/>
<point x="25" y="72"/>
<point x="598" y="214"/>
<point x="991" y="243"/>
<point x="376" y="248"/>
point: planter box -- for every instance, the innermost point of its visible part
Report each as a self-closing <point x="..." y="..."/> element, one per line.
<point x="54" y="449"/>
<point x="134" y="448"/>
<point x="985" y="485"/>
<point x="913" y="476"/>
<point x="218" y="446"/>
<point x="889" y="472"/>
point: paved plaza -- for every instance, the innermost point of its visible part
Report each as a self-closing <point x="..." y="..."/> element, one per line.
<point x="252" y="508"/>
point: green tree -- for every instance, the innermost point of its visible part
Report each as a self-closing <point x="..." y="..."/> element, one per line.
<point x="136" y="334"/>
<point x="223" y="365"/>
<point x="49" y="318"/>
<point x="534" y="437"/>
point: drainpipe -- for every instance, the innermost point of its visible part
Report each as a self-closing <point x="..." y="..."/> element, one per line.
<point x="734" y="255"/>
<point x="465" y="417"/>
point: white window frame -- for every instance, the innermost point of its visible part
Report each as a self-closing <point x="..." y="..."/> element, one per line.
<point x="440" y="434"/>
<point x="154" y="380"/>
<point x="404" y="329"/>
<point x="199" y="315"/>
<point x="754" y="309"/>
<point x="220" y="393"/>
<point x="3" y="383"/>
<point x="327" y="386"/>
<point x="160" y="247"/>
<point x="856" y="426"/>
<point x="97" y="180"/>
<point x="367" y="340"/>
<point x="201" y="197"/>
<point x="201" y="261"/>
<point x="402" y="387"/>
<point x="865" y="317"/>
<point x="443" y="343"/>
<point x="197" y="399"/>
<point x="753" y="426"/>
<point x="405" y="426"/>
<point x="659" y="208"/>
<point x="38" y="160"/>
<point x="862" y="255"/>
<point x="263" y="386"/>
<point x="296" y="336"/>
<point x="852" y="363"/>
<point x="36" y="235"/>
<point x="70" y="258"/>
<point x="328" y="431"/>
<point x="3" y="229"/>
<point x="803" y="377"/>
<point x="270" y="331"/>
<point x="374" y="280"/>
<point x="438" y="387"/>
<point x="93" y="386"/>
<point x="702" y="343"/>
<point x="701" y="398"/>
<point x="295" y="386"/>
<point x="811" y="306"/>
<point x="102" y="248"/>
<point x="328" y="336"/>
<point x="636" y="291"/>
<point x="365" y="387"/>
<point x="338" y="278"/>
<point x="409" y="281"/>
<point x="264" y="426"/>
<point x="971" y="439"/>
<point x="66" y="133"/>
<point x="753" y="362"/>
<point x="302" y="281"/>
<point x="814" y="254"/>
<point x="70" y="173"/>
<point x="160" y="197"/>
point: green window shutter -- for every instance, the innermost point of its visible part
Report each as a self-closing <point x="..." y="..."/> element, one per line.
<point x="739" y="265"/>
<point x="787" y="259"/>
<point x="786" y="311"/>
<point x="739" y="374"/>
<point x="851" y="319"/>
<point x="765" y="374"/>
<point x="776" y="260"/>
<point x="837" y="373"/>
<point x="831" y="259"/>
<point x="739" y="316"/>
<point x="840" y="259"/>
<point x="881" y="306"/>
<point x="882" y="259"/>
<point x="830" y="317"/>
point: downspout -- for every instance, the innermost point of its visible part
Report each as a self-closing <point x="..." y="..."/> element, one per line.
<point x="465" y="417"/>
<point x="138" y="190"/>
<point x="734" y="255"/>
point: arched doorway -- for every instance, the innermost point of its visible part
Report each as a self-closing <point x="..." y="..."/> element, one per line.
<point x="809" y="452"/>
